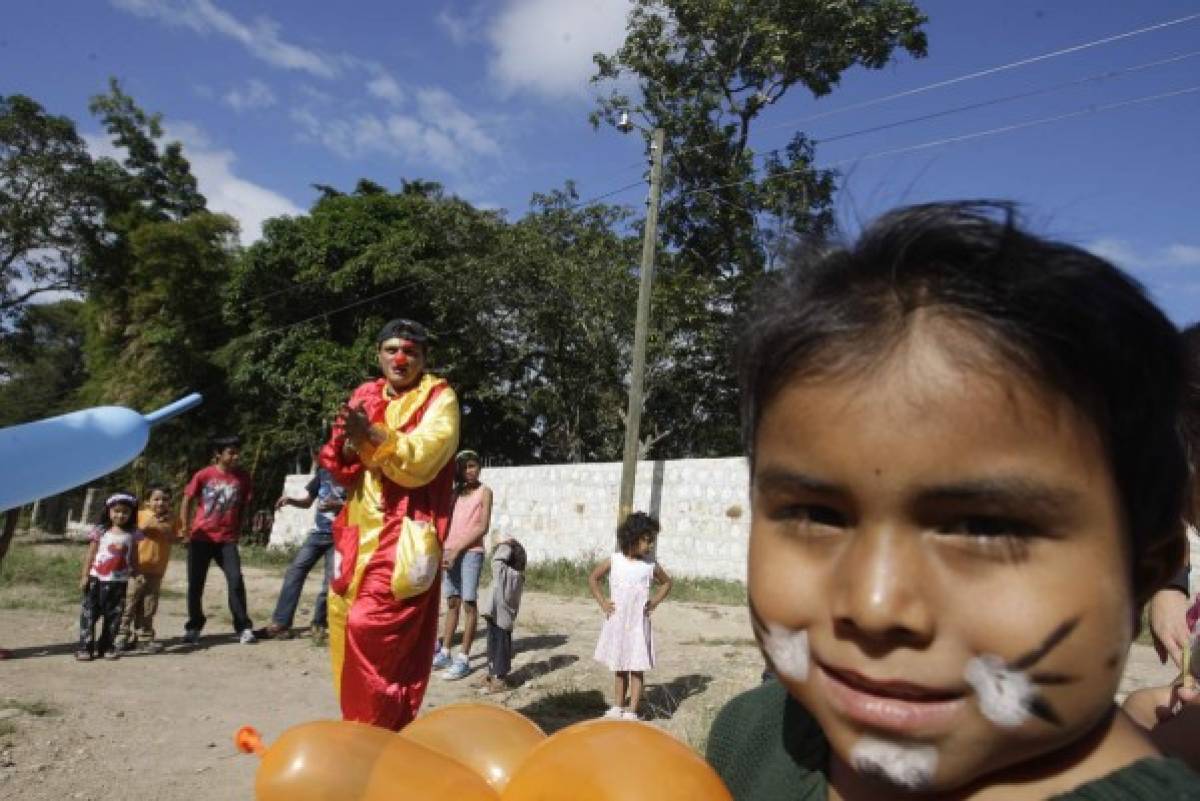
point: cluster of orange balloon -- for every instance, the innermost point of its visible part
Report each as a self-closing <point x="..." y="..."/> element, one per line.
<point x="479" y="752"/>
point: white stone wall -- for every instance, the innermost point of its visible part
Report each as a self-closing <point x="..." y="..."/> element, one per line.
<point x="291" y="525"/>
<point x="570" y="511"/>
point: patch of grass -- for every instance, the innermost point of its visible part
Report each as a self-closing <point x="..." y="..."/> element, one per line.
<point x="561" y="706"/>
<point x="39" y="709"/>
<point x="276" y="559"/>
<point x="53" y="570"/>
<point x="569" y="577"/>
<point x="736" y="642"/>
<point x="696" y="729"/>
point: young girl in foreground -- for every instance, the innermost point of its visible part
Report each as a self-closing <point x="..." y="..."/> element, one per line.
<point x="965" y="482"/>
<point x="110" y="563"/>
<point x="626" y="643"/>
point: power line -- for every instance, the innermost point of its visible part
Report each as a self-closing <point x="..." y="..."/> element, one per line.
<point x="989" y="71"/>
<point x="963" y="137"/>
<point x="961" y="78"/>
<point x="1009" y="98"/>
<point x="254" y="335"/>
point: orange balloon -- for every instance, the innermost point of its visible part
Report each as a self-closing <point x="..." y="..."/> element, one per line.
<point x="333" y="760"/>
<point x="490" y="740"/>
<point x="410" y="772"/>
<point x="610" y="760"/>
<point x="325" y="760"/>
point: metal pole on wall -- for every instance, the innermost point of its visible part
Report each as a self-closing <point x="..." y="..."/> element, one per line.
<point x="633" y="417"/>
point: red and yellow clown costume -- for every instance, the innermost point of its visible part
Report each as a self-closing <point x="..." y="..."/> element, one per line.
<point x="400" y="492"/>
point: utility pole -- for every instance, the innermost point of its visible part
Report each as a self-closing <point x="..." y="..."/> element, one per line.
<point x="633" y="417"/>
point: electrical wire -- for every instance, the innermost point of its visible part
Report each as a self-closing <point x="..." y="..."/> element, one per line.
<point x="970" y="76"/>
<point x="965" y="137"/>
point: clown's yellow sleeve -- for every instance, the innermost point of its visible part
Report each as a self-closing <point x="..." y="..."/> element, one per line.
<point x="414" y="459"/>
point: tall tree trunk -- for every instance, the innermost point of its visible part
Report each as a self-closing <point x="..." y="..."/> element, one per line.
<point x="10" y="530"/>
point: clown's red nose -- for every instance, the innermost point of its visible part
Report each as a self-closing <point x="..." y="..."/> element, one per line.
<point x="400" y="361"/>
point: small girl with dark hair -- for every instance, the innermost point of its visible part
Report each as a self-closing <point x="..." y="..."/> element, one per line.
<point x="112" y="559"/>
<point x="626" y="644"/>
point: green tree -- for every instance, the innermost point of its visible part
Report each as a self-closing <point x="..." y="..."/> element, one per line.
<point x="48" y="214"/>
<point x="39" y="361"/>
<point x="156" y="179"/>
<point x="705" y="71"/>
<point x="523" y="314"/>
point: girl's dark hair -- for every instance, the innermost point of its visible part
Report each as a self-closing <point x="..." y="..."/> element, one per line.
<point x="158" y="487"/>
<point x="636" y="526"/>
<point x="1064" y="318"/>
<point x="127" y="498"/>
<point x="460" y="467"/>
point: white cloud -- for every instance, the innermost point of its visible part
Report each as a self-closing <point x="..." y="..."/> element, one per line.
<point x="439" y="131"/>
<point x="464" y="26"/>
<point x="247" y="202"/>
<point x="454" y="26"/>
<point x="546" y="46"/>
<point x="385" y="87"/>
<point x="254" y="94"/>
<point x="260" y="37"/>
<point x="1183" y="255"/>
<point x="1125" y="255"/>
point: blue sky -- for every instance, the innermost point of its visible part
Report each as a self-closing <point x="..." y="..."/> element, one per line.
<point x="491" y="97"/>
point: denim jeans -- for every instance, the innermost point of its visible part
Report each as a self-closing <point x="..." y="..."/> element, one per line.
<point x="316" y="545"/>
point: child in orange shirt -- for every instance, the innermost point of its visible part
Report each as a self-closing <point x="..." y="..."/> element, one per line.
<point x="160" y="528"/>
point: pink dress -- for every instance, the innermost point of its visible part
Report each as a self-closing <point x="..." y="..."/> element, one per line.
<point x="626" y="641"/>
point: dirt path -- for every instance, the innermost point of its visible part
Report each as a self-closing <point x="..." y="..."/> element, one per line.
<point x="161" y="726"/>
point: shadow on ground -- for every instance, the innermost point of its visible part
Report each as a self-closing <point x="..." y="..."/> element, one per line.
<point x="542" y="667"/>
<point x="539" y="642"/>
<point x="662" y="700"/>
<point x="558" y="709"/>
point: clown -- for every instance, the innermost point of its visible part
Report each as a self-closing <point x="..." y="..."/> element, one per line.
<point x="392" y="449"/>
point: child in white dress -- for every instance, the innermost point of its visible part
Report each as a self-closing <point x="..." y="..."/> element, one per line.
<point x="626" y="643"/>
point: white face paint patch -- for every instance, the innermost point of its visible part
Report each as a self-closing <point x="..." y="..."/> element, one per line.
<point x="1004" y="694"/>
<point x="788" y="650"/>
<point x="909" y="766"/>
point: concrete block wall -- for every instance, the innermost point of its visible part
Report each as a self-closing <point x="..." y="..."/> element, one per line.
<point x="570" y="511"/>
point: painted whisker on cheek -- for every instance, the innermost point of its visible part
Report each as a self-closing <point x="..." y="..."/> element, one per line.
<point x="786" y="649"/>
<point x="1007" y="694"/>
<point x="901" y="764"/>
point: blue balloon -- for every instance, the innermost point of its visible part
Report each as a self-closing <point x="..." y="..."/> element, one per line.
<point x="49" y="456"/>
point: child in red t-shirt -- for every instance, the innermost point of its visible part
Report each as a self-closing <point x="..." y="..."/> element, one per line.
<point x="218" y="495"/>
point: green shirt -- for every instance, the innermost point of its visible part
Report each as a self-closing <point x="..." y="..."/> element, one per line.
<point x="766" y="747"/>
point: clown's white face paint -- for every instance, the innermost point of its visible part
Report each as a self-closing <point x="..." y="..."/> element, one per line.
<point x="788" y="650"/>
<point x="1004" y="694"/>
<point x="904" y="765"/>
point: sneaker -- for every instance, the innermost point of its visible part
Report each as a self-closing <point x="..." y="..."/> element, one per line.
<point x="125" y="643"/>
<point x="441" y="660"/>
<point x="273" y="632"/>
<point x="614" y="713"/>
<point x="113" y="654"/>
<point x="460" y="669"/>
<point x="629" y="714"/>
<point x="191" y="636"/>
<point x="247" y="637"/>
<point x="494" y="684"/>
<point x="83" y="656"/>
<point x="152" y="647"/>
<point x="319" y="634"/>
